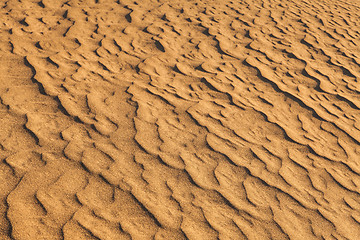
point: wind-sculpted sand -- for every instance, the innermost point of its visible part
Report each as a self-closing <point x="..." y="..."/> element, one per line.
<point x="184" y="119"/>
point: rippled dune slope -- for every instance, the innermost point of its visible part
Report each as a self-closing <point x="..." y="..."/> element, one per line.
<point x="184" y="119"/>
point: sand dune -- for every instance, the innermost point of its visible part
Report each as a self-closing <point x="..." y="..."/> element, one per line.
<point x="196" y="119"/>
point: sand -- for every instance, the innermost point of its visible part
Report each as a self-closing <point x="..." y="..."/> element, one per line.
<point x="184" y="119"/>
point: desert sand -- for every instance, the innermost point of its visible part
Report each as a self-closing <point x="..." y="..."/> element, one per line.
<point x="183" y="119"/>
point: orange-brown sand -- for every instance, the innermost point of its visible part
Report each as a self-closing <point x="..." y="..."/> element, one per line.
<point x="184" y="119"/>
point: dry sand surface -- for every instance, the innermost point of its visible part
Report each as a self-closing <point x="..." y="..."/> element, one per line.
<point x="184" y="119"/>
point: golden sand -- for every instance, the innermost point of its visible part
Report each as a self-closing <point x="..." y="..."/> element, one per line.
<point x="184" y="119"/>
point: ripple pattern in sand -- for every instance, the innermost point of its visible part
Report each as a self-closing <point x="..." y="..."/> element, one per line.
<point x="196" y="119"/>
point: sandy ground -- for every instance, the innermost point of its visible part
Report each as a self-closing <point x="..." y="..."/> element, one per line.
<point x="184" y="119"/>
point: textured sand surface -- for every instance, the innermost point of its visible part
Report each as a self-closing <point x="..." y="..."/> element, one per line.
<point x="183" y="119"/>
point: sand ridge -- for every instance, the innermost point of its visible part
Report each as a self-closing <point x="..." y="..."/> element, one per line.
<point x="196" y="119"/>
